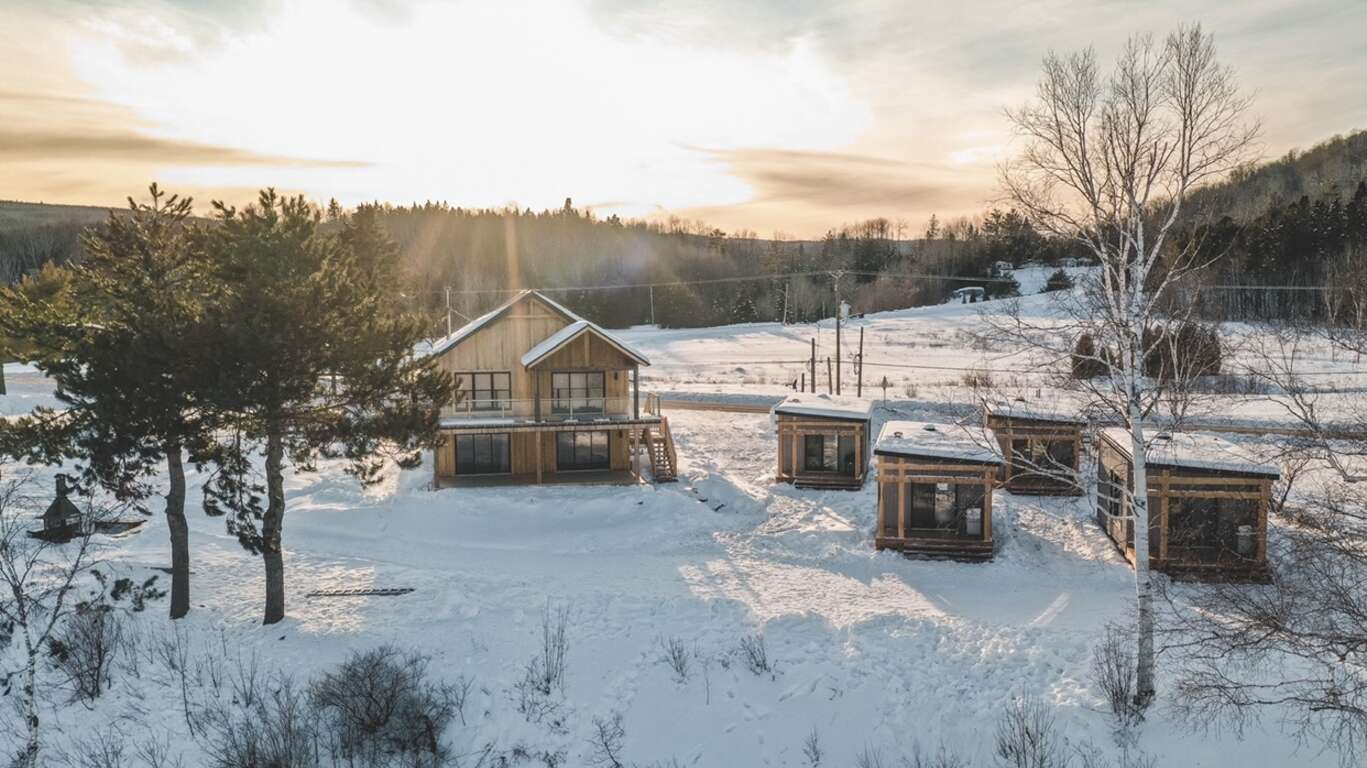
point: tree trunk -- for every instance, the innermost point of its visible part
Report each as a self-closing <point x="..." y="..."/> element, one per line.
<point x="271" y="529"/>
<point x="180" y="533"/>
<point x="1143" y="580"/>
<point x="28" y="704"/>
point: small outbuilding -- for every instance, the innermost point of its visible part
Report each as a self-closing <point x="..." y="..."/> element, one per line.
<point x="823" y="441"/>
<point x="62" y="514"/>
<point x="1207" y="504"/>
<point x="935" y="485"/>
<point x="1043" y="448"/>
<point x="970" y="295"/>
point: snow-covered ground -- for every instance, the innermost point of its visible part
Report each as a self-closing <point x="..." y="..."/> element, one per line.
<point x="870" y="650"/>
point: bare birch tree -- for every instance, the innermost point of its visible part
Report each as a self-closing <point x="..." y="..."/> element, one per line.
<point x="1109" y="161"/>
<point x="36" y="583"/>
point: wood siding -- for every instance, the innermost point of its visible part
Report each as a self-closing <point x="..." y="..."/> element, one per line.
<point x="791" y="430"/>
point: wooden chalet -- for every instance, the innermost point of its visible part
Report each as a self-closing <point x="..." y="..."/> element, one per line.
<point x="1207" y="506"/>
<point x="546" y="396"/>
<point x="935" y="485"/>
<point x="823" y="441"/>
<point x="1043" y="448"/>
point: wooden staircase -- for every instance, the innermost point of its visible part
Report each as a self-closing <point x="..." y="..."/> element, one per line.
<point x="664" y="462"/>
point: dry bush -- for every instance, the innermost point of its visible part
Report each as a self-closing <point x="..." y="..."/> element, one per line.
<point x="812" y="752"/>
<point x="380" y="708"/>
<point x="1027" y="736"/>
<point x="85" y="648"/>
<point x="605" y="745"/>
<point x="755" y="654"/>
<point x="675" y="655"/>
<point x="1113" y="671"/>
<point x="281" y="730"/>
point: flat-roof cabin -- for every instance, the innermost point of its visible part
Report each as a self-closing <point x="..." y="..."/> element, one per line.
<point x="935" y="485"/>
<point x="823" y="441"/>
<point x="1207" y="504"/>
<point x="1042" y="448"/>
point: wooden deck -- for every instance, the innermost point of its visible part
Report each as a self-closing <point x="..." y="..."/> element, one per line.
<point x="596" y="477"/>
<point x="939" y="547"/>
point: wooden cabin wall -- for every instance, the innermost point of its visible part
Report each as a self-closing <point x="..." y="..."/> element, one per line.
<point x="587" y="353"/>
<point x="791" y="428"/>
<point x="896" y="474"/>
<point x="500" y="345"/>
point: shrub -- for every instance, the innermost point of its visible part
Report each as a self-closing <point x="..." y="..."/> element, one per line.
<point x="1058" y="281"/>
<point x="1027" y="736"/>
<point x="280" y="730"/>
<point x="1184" y="351"/>
<point x="85" y="648"/>
<point x="1113" y="671"/>
<point x="675" y="655"/>
<point x="755" y="654"/>
<point x="1087" y="364"/>
<point x="605" y="746"/>
<point x="380" y="706"/>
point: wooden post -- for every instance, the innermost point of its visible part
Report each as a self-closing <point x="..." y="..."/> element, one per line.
<point x="540" y="457"/>
<point x="859" y="381"/>
<point x="987" y="505"/>
<point x="803" y="388"/>
<point x="901" y="508"/>
<point x="1164" y="488"/>
<point x="652" y="305"/>
<point x="838" y="366"/>
<point x="636" y="390"/>
<point x="813" y="365"/>
<point x="536" y="396"/>
<point x="829" y="383"/>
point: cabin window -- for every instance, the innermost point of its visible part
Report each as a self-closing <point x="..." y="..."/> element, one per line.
<point x="828" y="453"/>
<point x="482" y="454"/>
<point x="486" y="391"/>
<point x="577" y="392"/>
<point x="945" y="507"/>
<point x="1206" y="528"/>
<point x="581" y="450"/>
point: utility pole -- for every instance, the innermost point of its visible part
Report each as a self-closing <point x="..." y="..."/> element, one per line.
<point x="828" y="374"/>
<point x="652" y="305"/>
<point x="787" y="288"/>
<point x="859" y="387"/>
<point x="448" y="310"/>
<point x="838" y="361"/>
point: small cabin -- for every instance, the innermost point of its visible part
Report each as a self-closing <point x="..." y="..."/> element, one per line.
<point x="1043" y="448"/>
<point x="970" y="295"/>
<point x="62" y="515"/>
<point x="823" y="441"/>
<point x="935" y="486"/>
<point x="1207" y="505"/>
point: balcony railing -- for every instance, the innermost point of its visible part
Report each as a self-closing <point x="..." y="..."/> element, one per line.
<point x="552" y="409"/>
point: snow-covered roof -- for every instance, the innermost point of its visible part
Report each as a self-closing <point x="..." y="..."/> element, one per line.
<point x="1020" y="410"/>
<point x="570" y="333"/>
<point x="939" y="441"/>
<point x="825" y="406"/>
<point x="1190" y="450"/>
<point x="474" y="326"/>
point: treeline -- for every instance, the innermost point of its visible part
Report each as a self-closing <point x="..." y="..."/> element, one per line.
<point x="590" y="264"/>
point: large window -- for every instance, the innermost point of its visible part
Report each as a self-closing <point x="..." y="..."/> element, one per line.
<point x="576" y="392"/>
<point x="951" y="508"/>
<point x="486" y="391"/>
<point x="828" y="453"/>
<point x="581" y="450"/>
<point x="482" y="454"/>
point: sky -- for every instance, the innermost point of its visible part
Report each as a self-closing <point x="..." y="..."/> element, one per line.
<point x="781" y="117"/>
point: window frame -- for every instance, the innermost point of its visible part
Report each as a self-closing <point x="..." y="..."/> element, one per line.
<point x="565" y="399"/>
<point x="499" y="452"/>
<point x="498" y="398"/>
<point x="584" y="452"/>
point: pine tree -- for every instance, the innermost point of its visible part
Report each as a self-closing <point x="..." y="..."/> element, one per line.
<point x="316" y="359"/>
<point x="114" y="333"/>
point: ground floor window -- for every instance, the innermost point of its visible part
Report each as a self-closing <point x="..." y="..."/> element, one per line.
<point x="1209" y="528"/>
<point x="581" y="450"/>
<point x="482" y="454"/>
<point x="828" y="453"/>
<point x="952" y="508"/>
<point x="1042" y="459"/>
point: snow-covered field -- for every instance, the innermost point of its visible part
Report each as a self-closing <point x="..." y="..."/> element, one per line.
<point x="870" y="650"/>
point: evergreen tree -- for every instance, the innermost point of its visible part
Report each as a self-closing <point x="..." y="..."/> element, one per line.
<point x="317" y="361"/>
<point x="114" y="332"/>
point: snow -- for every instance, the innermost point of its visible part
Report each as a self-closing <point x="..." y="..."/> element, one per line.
<point x="572" y="331"/>
<point x="469" y="329"/>
<point x="825" y="406"/>
<point x="940" y="441"/>
<point x="1192" y="451"/>
<point x="1020" y="410"/>
<point x="870" y="649"/>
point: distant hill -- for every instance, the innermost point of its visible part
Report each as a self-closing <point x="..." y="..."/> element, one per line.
<point x="18" y="215"/>
<point x="1331" y="168"/>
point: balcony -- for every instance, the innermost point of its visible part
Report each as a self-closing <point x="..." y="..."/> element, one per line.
<point x="586" y="410"/>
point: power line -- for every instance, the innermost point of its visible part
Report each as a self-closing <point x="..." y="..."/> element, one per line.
<point x="737" y="279"/>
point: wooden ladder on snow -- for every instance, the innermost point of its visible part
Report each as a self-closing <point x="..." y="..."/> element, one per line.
<point x="664" y="462"/>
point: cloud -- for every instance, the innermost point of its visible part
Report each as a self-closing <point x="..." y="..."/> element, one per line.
<point x="49" y="145"/>
<point x="838" y="180"/>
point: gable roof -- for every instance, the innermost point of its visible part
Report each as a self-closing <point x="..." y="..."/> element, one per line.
<point x="825" y="406"/>
<point x="573" y="331"/>
<point x="919" y="439"/>
<point x="474" y="326"/>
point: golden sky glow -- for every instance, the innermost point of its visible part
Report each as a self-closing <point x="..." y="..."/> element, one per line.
<point x="771" y="116"/>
